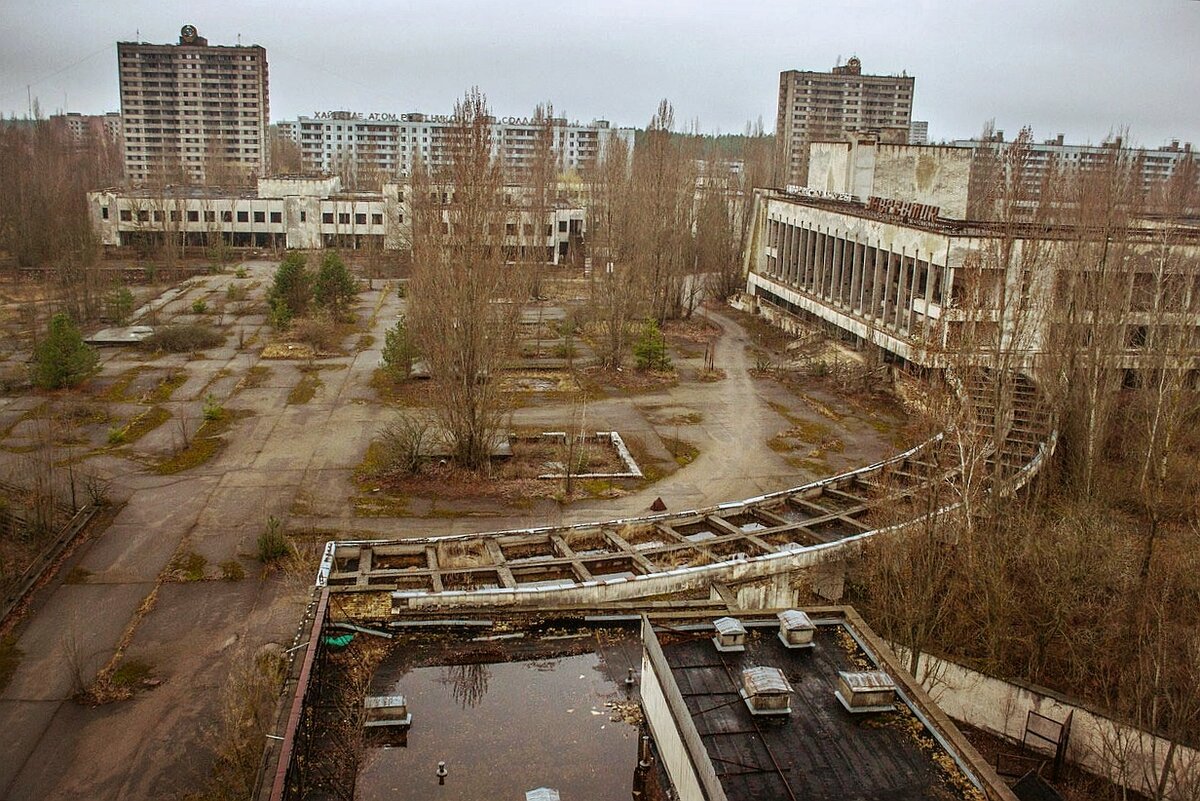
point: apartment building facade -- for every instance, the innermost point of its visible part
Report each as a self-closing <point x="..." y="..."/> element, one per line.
<point x="389" y="144"/>
<point x="831" y="105"/>
<point x="193" y="112"/>
<point x="81" y="129"/>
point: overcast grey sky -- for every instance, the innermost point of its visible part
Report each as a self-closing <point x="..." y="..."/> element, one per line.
<point x="1081" y="68"/>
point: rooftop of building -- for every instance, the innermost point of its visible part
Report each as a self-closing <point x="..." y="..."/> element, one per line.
<point x="507" y="712"/>
<point x="818" y="751"/>
<point x="1185" y="230"/>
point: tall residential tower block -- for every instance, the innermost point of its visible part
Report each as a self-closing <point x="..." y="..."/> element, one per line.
<point x="193" y="112"/>
<point x="822" y="106"/>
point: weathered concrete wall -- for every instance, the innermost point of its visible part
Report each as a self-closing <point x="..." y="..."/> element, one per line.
<point x="936" y="176"/>
<point x="671" y="724"/>
<point x="1099" y="744"/>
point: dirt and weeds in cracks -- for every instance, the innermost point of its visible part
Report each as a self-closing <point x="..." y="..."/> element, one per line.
<point x="204" y="445"/>
<point x="305" y="388"/>
<point x="131" y="673"/>
<point x="681" y="450"/>
<point x="232" y="570"/>
<point x="139" y="426"/>
<point x="10" y="659"/>
<point x="188" y="566"/>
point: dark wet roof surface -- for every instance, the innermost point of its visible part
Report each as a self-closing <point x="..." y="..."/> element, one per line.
<point x="819" y="752"/>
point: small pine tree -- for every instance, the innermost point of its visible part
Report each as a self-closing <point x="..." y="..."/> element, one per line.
<point x="119" y="305"/>
<point x="335" y="287"/>
<point x="650" y="350"/>
<point x="62" y="359"/>
<point x="291" y="291"/>
<point x="398" y="351"/>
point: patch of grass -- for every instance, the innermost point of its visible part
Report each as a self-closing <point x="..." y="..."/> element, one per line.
<point x="116" y="436"/>
<point x="232" y="570"/>
<point x="365" y="341"/>
<point x="205" y="444"/>
<point x="78" y="575"/>
<point x="710" y="376"/>
<point x="304" y="390"/>
<point x="131" y="673"/>
<point x="688" y="419"/>
<point x="117" y="389"/>
<point x="681" y="450"/>
<point x="166" y="388"/>
<point x="10" y="659"/>
<point x="254" y="377"/>
<point x="380" y="505"/>
<point x="188" y="566"/>
<point x="143" y="424"/>
<point x="235" y="293"/>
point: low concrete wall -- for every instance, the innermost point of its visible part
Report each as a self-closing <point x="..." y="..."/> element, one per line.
<point x="675" y="736"/>
<point x="1117" y="751"/>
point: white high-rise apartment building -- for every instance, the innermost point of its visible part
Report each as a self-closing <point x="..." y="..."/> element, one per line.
<point x="336" y="141"/>
<point x="193" y="112"/>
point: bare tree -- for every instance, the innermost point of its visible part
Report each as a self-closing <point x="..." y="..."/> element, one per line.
<point x="616" y="286"/>
<point x="463" y="309"/>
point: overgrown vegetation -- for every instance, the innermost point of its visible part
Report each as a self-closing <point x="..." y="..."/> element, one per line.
<point x="183" y="338"/>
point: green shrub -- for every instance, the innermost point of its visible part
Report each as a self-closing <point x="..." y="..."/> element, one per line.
<point x="334" y="288"/>
<point x="62" y="359"/>
<point x="117" y="436"/>
<point x="183" y="338"/>
<point x="199" y="306"/>
<point x="291" y="289"/>
<point x="272" y="544"/>
<point x="650" y="350"/>
<point x="240" y="272"/>
<point x="398" y="351"/>
<point x="233" y="292"/>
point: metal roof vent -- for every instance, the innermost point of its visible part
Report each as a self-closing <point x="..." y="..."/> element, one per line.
<point x="796" y="629"/>
<point x="731" y="634"/>
<point x="386" y="710"/>
<point x="866" y="691"/>
<point x="542" y="794"/>
<point x="766" y="691"/>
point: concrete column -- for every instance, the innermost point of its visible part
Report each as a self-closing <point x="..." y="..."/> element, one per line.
<point x="902" y="290"/>
<point x="835" y="269"/>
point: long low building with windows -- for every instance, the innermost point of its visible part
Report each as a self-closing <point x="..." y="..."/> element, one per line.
<point x="878" y="245"/>
<point x="302" y="212"/>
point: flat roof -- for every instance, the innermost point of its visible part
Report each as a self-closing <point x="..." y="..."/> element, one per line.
<point x="508" y="713"/>
<point x="819" y="751"/>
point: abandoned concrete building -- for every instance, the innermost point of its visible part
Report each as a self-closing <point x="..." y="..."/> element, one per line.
<point x="312" y="212"/>
<point x="390" y="143"/>
<point x="191" y="109"/>
<point x="879" y="245"/>
<point x="815" y="106"/>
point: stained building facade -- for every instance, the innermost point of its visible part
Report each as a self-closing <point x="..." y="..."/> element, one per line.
<point x="817" y="106"/>
<point x="192" y="112"/>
